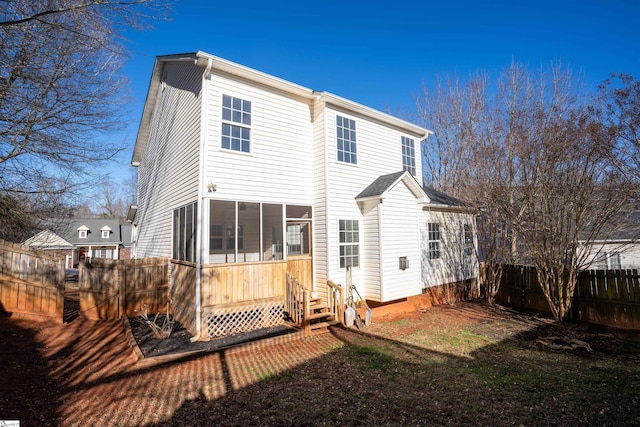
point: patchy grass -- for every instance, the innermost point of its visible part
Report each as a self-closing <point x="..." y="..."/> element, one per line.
<point x="466" y="365"/>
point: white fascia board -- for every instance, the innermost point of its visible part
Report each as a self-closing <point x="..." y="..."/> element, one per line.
<point x="379" y="116"/>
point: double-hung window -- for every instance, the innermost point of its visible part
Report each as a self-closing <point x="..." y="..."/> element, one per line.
<point x="346" y="136"/>
<point x="236" y="124"/>
<point x="433" y="229"/>
<point x="408" y="155"/>
<point x="349" y="237"/>
<point x="468" y="240"/>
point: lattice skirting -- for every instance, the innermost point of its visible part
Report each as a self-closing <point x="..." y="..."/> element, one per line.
<point x="245" y="317"/>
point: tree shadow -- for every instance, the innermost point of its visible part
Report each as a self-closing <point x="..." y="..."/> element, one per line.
<point x="371" y="380"/>
<point x="29" y="394"/>
<point x="346" y="377"/>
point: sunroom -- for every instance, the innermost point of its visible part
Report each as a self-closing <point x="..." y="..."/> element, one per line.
<point x="248" y="251"/>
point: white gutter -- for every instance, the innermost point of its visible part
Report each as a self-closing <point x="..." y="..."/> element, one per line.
<point x="201" y="199"/>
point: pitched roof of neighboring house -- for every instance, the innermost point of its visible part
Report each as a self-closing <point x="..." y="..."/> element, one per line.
<point x="210" y="63"/>
<point x="48" y="239"/>
<point x="440" y="198"/>
<point x="625" y="227"/>
<point x="66" y="232"/>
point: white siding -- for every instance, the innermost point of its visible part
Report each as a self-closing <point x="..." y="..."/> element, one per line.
<point x="453" y="265"/>
<point x="400" y="238"/>
<point x="379" y="152"/>
<point x="279" y="168"/>
<point x="629" y="254"/>
<point x="371" y="250"/>
<point x="320" y="196"/>
<point x="168" y="173"/>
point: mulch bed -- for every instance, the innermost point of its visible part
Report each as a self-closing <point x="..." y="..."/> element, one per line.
<point x="180" y="339"/>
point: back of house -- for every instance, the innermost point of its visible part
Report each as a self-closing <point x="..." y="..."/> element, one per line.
<point x="237" y="166"/>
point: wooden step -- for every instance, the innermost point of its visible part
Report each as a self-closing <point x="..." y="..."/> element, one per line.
<point x="319" y="308"/>
<point x="314" y="316"/>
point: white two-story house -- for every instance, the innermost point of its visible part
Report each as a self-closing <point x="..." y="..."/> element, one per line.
<point x="237" y="166"/>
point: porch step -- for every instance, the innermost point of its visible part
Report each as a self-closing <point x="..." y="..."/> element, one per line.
<point x="320" y="327"/>
<point x="323" y="315"/>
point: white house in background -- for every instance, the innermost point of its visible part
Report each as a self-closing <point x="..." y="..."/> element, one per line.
<point x="235" y="165"/>
<point x="620" y="247"/>
<point x="80" y="239"/>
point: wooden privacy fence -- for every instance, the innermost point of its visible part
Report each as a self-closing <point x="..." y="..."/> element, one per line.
<point x="234" y="298"/>
<point x="111" y="288"/>
<point x="605" y="297"/>
<point x="31" y="281"/>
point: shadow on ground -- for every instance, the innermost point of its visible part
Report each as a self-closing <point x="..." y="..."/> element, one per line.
<point x="29" y="394"/>
<point x="418" y="371"/>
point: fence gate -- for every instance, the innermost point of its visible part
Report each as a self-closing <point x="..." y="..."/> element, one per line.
<point x="100" y="290"/>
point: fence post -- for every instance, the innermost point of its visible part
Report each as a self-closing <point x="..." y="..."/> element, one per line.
<point x="120" y="283"/>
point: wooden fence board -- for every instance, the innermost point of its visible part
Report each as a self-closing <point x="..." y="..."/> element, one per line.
<point x="31" y="281"/>
<point x="608" y="297"/>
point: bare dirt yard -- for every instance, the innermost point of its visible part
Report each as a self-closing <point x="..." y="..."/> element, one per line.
<point x="463" y="365"/>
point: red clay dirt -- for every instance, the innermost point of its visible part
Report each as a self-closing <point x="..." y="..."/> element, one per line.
<point x="84" y="372"/>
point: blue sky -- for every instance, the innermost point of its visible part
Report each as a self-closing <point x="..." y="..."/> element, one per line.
<point x="378" y="53"/>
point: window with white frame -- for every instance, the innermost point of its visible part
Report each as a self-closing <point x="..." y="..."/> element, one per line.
<point x="468" y="240"/>
<point x="82" y="234"/>
<point x="433" y="229"/>
<point x="408" y="155"/>
<point x="346" y="136"/>
<point x="215" y="238"/>
<point x="105" y="234"/>
<point x="231" y="238"/>
<point x="349" y="237"/>
<point x="608" y="261"/>
<point x="236" y="124"/>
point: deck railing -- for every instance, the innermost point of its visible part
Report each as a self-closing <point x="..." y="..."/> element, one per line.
<point x="297" y="302"/>
<point x="335" y="300"/>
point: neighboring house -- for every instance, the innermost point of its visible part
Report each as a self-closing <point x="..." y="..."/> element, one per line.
<point x="620" y="247"/>
<point x="237" y="166"/>
<point x="85" y="238"/>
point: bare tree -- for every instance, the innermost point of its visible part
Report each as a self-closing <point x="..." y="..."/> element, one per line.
<point x="621" y="96"/>
<point x="539" y="164"/>
<point x="61" y="89"/>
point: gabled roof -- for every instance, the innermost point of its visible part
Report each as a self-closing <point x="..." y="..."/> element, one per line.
<point x="211" y="63"/>
<point x="67" y="231"/>
<point x="49" y="240"/>
<point x="384" y="183"/>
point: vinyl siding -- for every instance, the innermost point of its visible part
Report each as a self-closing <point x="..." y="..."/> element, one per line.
<point x="629" y="254"/>
<point x="400" y="238"/>
<point x="279" y="167"/>
<point x="379" y="152"/>
<point x="320" y="199"/>
<point x="168" y="174"/>
<point x="453" y="265"/>
<point x="371" y="252"/>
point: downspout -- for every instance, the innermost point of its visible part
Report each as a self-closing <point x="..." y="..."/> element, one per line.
<point x="201" y="198"/>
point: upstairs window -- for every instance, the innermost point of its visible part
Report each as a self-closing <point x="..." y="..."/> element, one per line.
<point x="82" y="234"/>
<point x="236" y="124"/>
<point x="346" y="136"/>
<point x="434" y="240"/>
<point x="408" y="155"/>
<point x="105" y="234"/>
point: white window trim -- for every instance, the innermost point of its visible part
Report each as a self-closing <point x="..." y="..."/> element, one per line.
<point x="356" y="244"/>
<point x="438" y="241"/>
<point x="343" y="162"/>
<point x="412" y="169"/>
<point x="237" y="124"/>
<point x="105" y="234"/>
<point x="82" y="234"/>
